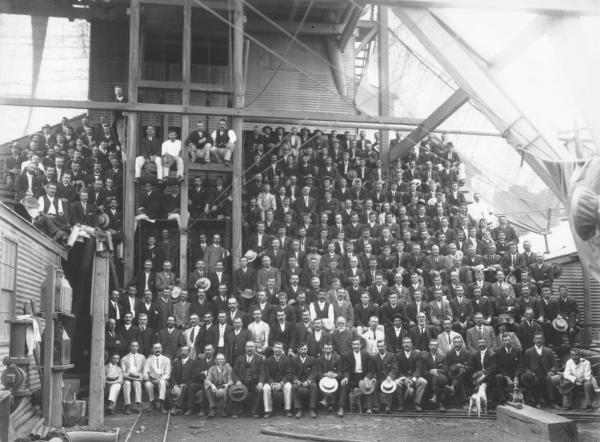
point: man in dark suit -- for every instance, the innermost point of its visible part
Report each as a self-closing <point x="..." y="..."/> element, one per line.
<point x="422" y="333"/>
<point x="509" y="365"/>
<point x="235" y="341"/>
<point x="527" y="329"/>
<point x="330" y="365"/>
<point x="305" y="372"/>
<point x="384" y="366"/>
<point x="216" y="334"/>
<point x="435" y="371"/>
<point x="244" y="281"/>
<point x="415" y="308"/>
<point x="483" y="306"/>
<point x="146" y="336"/>
<point x="128" y="331"/>
<point x="539" y="373"/>
<point x="317" y="339"/>
<point x="395" y="334"/>
<point x="356" y="365"/>
<point x="248" y="370"/>
<point x="282" y="331"/>
<point x="409" y="373"/>
<point x="186" y="378"/>
<point x="278" y="378"/>
<point x="150" y="309"/>
<point x="170" y="338"/>
<point x="459" y="362"/>
<point x="116" y="310"/>
<point x="113" y="340"/>
<point x="484" y="359"/>
<point x="205" y="361"/>
<point x="83" y="212"/>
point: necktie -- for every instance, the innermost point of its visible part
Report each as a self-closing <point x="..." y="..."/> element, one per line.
<point x="449" y="341"/>
<point x="479" y="331"/>
<point x="193" y="335"/>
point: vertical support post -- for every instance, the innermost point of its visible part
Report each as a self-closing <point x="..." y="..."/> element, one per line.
<point x="586" y="332"/>
<point x="186" y="76"/>
<point x="99" y="309"/>
<point x="237" y="126"/>
<point x="384" y="81"/>
<point x="132" y="139"/>
<point x="48" y="385"/>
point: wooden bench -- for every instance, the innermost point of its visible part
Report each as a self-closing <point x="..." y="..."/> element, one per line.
<point x="534" y="425"/>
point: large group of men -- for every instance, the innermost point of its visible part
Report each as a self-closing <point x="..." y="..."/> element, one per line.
<point x="357" y="285"/>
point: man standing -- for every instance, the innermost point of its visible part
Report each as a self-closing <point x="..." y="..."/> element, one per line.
<point x="157" y="373"/>
<point x="170" y="339"/>
<point x="480" y="331"/>
<point x="509" y="365"/>
<point x="459" y="367"/>
<point x="132" y="365"/>
<point x="384" y="366"/>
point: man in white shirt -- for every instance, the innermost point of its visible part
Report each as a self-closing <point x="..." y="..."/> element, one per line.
<point x="578" y="373"/>
<point x="157" y="372"/>
<point x="224" y="143"/>
<point x="113" y="378"/>
<point x="171" y="154"/>
<point x="260" y="331"/>
<point x="132" y="365"/>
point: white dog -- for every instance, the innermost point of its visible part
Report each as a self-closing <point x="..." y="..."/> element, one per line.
<point x="478" y="400"/>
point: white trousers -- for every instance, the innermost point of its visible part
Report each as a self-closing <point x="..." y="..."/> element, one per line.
<point x="113" y="391"/>
<point x="139" y="163"/>
<point x="137" y="391"/>
<point x="162" y="389"/>
<point x="268" y="397"/>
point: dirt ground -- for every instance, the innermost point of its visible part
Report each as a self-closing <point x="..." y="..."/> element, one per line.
<point x="350" y="428"/>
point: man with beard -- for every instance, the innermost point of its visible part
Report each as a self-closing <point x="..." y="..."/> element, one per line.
<point x="186" y="382"/>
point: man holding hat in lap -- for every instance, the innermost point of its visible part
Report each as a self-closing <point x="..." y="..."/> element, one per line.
<point x="248" y="380"/>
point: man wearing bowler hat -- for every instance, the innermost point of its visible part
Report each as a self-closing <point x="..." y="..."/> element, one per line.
<point x="248" y="371"/>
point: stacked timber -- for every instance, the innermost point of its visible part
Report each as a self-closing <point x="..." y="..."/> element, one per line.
<point x="28" y="422"/>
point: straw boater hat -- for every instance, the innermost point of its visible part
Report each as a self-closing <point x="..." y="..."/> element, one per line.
<point x="456" y="371"/>
<point x="328" y="385"/>
<point x="250" y="255"/>
<point x="560" y="324"/>
<point x="175" y="292"/>
<point x="388" y="386"/>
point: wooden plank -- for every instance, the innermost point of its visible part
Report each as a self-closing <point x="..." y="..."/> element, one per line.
<point x="258" y="115"/>
<point x="521" y="42"/>
<point x="99" y="310"/>
<point x="534" y="425"/>
<point x="308" y="28"/>
<point x="237" y="126"/>
<point x="185" y="127"/>
<point x="336" y="61"/>
<point x="201" y="87"/>
<point x="437" y="117"/>
<point x="6" y="430"/>
<point x="48" y="396"/>
<point x="384" y="81"/>
<point x="588" y="7"/>
<point x="132" y="140"/>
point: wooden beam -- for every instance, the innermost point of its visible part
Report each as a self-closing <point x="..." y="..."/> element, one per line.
<point x="133" y="123"/>
<point x="485" y="94"/>
<point x="309" y="28"/>
<point x="383" y="65"/>
<point x="588" y="7"/>
<point x="200" y="87"/>
<point x="350" y="26"/>
<point x="99" y="301"/>
<point x="521" y="42"/>
<point x="237" y="78"/>
<point x="258" y="115"/>
<point x="437" y="117"/>
<point x="47" y="385"/>
<point x="186" y="76"/>
<point x="579" y="65"/>
<point x="365" y="41"/>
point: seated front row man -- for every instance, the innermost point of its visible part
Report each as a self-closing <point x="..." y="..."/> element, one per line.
<point x="577" y="376"/>
<point x="157" y="374"/>
<point x="132" y="365"/>
<point x="113" y="378"/>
